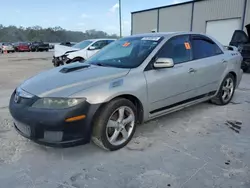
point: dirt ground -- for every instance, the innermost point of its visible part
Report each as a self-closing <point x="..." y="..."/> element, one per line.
<point x="201" y="146"/>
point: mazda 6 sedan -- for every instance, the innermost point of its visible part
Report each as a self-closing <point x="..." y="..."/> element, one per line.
<point x="132" y="80"/>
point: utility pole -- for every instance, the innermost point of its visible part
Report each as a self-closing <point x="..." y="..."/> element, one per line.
<point x="120" y="17"/>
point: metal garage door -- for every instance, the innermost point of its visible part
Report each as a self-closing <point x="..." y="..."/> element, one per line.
<point x="222" y="30"/>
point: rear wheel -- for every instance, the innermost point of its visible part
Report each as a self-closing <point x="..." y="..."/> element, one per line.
<point x="226" y="91"/>
<point x="115" y="124"/>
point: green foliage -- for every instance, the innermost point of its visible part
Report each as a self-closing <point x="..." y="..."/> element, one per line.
<point x="55" y="34"/>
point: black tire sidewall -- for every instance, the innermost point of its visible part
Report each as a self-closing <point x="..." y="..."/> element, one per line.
<point x="220" y="91"/>
<point x="105" y="114"/>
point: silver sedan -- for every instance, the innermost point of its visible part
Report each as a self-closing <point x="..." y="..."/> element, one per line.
<point x="132" y="80"/>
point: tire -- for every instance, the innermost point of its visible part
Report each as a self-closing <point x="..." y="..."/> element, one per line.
<point x="220" y="99"/>
<point x="122" y="133"/>
<point x="56" y="64"/>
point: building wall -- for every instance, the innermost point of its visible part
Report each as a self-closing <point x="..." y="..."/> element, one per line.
<point x="214" y="10"/>
<point x="247" y="18"/>
<point x="144" y="21"/>
<point x="177" y="18"/>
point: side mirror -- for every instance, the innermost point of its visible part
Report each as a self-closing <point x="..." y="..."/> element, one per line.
<point x="92" y="48"/>
<point x="161" y="63"/>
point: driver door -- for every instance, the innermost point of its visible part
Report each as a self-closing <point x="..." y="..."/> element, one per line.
<point x="94" y="48"/>
<point x="169" y="87"/>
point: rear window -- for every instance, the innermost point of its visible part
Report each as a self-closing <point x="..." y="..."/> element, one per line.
<point x="203" y="48"/>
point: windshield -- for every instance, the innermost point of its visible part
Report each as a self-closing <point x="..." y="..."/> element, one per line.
<point x="83" y="44"/>
<point x="126" y="53"/>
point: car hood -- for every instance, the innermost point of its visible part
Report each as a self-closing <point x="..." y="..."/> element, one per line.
<point x="69" y="79"/>
<point x="60" y="50"/>
<point x="248" y="30"/>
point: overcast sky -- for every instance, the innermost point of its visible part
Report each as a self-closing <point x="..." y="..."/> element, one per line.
<point x="77" y="15"/>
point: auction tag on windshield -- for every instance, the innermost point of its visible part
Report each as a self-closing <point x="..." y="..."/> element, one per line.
<point x="151" y="38"/>
<point x="126" y="44"/>
<point x="187" y="45"/>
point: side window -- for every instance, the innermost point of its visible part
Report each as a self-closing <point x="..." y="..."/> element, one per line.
<point x="110" y="41"/>
<point x="100" y="44"/>
<point x="203" y="48"/>
<point x="177" y="48"/>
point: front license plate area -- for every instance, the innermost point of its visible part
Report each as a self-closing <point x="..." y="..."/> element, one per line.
<point x="25" y="129"/>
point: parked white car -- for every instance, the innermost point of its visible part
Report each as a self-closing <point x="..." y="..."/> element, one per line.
<point x="8" y="47"/>
<point x="79" y="52"/>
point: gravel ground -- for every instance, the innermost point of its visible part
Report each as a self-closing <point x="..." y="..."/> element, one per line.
<point x="201" y="146"/>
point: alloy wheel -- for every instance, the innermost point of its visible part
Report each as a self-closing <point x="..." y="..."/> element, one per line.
<point x="227" y="89"/>
<point x="120" y="125"/>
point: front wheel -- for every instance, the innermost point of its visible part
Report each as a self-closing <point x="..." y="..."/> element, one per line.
<point x="115" y="124"/>
<point x="226" y="91"/>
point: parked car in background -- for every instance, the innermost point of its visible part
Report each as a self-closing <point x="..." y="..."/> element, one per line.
<point x="79" y="52"/>
<point x="132" y="80"/>
<point x="241" y="40"/>
<point x="39" y="46"/>
<point x="67" y="44"/>
<point x="21" y="47"/>
<point x="7" y="47"/>
<point x="51" y="46"/>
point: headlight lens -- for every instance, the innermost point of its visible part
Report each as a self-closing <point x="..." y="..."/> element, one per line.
<point x="57" y="103"/>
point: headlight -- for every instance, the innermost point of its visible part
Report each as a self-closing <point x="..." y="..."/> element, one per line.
<point x="57" y="103"/>
<point x="24" y="94"/>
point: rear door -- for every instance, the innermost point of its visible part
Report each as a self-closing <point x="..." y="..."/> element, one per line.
<point x="169" y="86"/>
<point x="210" y="63"/>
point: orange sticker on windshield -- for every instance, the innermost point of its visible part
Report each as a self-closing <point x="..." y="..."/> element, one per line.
<point x="187" y="45"/>
<point x="126" y="44"/>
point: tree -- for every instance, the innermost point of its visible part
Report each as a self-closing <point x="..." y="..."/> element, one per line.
<point x="55" y="34"/>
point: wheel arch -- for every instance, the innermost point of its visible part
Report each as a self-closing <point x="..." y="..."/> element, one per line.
<point x="234" y="74"/>
<point x="78" y="57"/>
<point x="134" y="100"/>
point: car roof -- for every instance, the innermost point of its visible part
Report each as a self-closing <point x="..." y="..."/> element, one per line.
<point x="165" y="34"/>
<point x="101" y="39"/>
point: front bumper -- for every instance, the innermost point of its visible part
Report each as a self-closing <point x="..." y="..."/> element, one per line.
<point x="60" y="61"/>
<point x="49" y="127"/>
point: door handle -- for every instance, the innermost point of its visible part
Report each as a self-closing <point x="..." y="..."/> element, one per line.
<point x="191" y="70"/>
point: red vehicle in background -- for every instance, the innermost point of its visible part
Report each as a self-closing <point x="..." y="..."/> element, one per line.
<point x="22" y="47"/>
